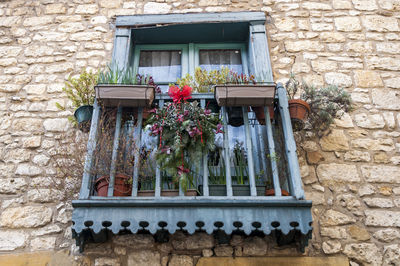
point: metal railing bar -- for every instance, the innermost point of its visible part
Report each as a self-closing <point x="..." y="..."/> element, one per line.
<point x="272" y="154"/>
<point x="91" y="146"/>
<point x="250" y="162"/>
<point x="138" y="138"/>
<point x="229" y="192"/>
<point x="115" y="152"/>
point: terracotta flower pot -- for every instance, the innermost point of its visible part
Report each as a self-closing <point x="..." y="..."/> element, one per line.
<point x="260" y="115"/>
<point x="299" y="111"/>
<point x="121" y="186"/>
<point x="271" y="192"/>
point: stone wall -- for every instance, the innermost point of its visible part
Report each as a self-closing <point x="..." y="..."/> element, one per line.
<point x="352" y="175"/>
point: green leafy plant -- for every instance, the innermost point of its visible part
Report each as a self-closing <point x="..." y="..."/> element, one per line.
<point x="326" y="103"/>
<point x="203" y="80"/>
<point x="80" y="90"/>
<point x="240" y="164"/>
<point x="185" y="132"/>
<point x="114" y="75"/>
<point x="292" y="86"/>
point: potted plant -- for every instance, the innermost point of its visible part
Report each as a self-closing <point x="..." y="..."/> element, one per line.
<point x="298" y="108"/>
<point x="326" y="104"/>
<point x="81" y="92"/>
<point x="125" y="87"/>
<point x="103" y="158"/>
<point x="185" y="132"/>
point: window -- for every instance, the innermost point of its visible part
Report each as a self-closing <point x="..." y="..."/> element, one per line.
<point x="167" y="63"/>
<point x="167" y="47"/>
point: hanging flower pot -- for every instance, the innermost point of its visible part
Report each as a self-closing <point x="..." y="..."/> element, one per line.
<point x="213" y="106"/>
<point x="122" y="186"/>
<point x="299" y="111"/>
<point x="83" y="116"/>
<point x="260" y="114"/>
<point x="235" y="116"/>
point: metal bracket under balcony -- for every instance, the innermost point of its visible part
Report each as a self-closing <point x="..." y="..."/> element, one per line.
<point x="287" y="220"/>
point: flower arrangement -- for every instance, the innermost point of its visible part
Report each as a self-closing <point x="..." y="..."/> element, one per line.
<point x="203" y="80"/>
<point x="185" y="132"/>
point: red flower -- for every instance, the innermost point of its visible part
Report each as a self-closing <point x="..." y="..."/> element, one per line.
<point x="186" y="92"/>
<point x="178" y="95"/>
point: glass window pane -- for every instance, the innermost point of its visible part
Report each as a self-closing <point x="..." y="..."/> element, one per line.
<point x="163" y="66"/>
<point x="215" y="59"/>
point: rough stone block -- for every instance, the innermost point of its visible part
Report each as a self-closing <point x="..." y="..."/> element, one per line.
<point x="26" y="217"/>
<point x="337" y="173"/>
<point x="12" y="185"/>
<point x="331" y="247"/>
<point x="386" y="99"/>
<point x="335" y="141"/>
<point x="347" y="23"/>
<point x="192" y="242"/>
<point x="364" y="252"/>
<point x="380" y="23"/>
<point x="382" y="218"/>
<point x="368" y="79"/>
<point x="381" y="174"/>
<point x="369" y="121"/>
<point x="255" y="246"/>
<point x="180" y="260"/>
<point x="43" y="243"/>
<point x="90" y="9"/>
<point x="144" y="257"/>
<point x="338" y="79"/>
<point x="137" y="241"/>
<point x="332" y="218"/>
<point x="11" y="240"/>
<point x="157" y="8"/>
<point x="387" y="235"/>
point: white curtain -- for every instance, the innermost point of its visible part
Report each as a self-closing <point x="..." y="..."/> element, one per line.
<point x="163" y="66"/>
<point x="215" y="59"/>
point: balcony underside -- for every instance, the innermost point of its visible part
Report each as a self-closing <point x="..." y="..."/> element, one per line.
<point x="287" y="220"/>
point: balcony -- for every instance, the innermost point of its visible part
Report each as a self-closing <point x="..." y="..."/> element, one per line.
<point x="238" y="204"/>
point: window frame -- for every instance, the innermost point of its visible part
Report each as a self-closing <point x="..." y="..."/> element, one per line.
<point x="160" y="47"/>
<point x="189" y="55"/>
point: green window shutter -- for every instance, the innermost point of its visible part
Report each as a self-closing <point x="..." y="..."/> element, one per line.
<point x="259" y="60"/>
<point x="122" y="47"/>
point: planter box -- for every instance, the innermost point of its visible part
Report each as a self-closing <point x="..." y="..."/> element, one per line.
<point x="238" y="190"/>
<point x="113" y="95"/>
<point x="245" y="95"/>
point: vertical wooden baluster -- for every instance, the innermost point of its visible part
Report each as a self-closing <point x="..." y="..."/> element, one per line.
<point x="229" y="192"/>
<point x="138" y="139"/>
<point x="205" y="162"/>
<point x="290" y="145"/>
<point x="260" y="137"/>
<point x="158" y="170"/>
<point x="115" y="153"/>
<point x="272" y="154"/>
<point x="250" y="162"/>
<point x="91" y="146"/>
